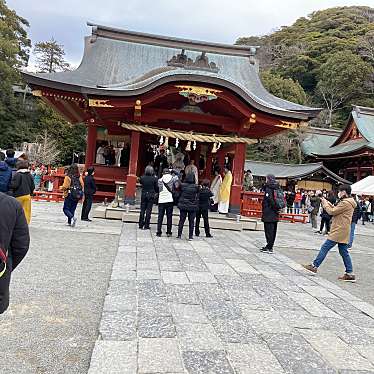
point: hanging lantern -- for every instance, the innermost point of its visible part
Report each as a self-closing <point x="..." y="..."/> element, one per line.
<point x="188" y="147"/>
<point x="214" y="149"/>
<point x="176" y="143"/>
<point x="166" y="144"/>
<point x="161" y="139"/>
<point x="194" y="145"/>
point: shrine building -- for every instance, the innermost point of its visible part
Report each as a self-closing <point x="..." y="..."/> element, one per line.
<point x="136" y="91"/>
<point x="350" y="153"/>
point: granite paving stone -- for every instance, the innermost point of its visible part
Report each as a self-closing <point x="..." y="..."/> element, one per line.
<point x="174" y="277"/>
<point x="235" y="331"/>
<point x="201" y="277"/>
<point x="118" y="326"/>
<point x="253" y="359"/>
<point x="335" y="351"/>
<point x="184" y="313"/>
<point x="220" y="306"/>
<point x="212" y="362"/>
<point x="242" y="266"/>
<point x="198" y="337"/>
<point x="156" y="327"/>
<point x="182" y="294"/>
<point x="159" y="355"/>
<point x="296" y="355"/>
<point x="112" y="357"/>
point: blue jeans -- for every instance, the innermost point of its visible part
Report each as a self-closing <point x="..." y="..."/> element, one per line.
<point x="343" y="250"/>
<point x="70" y="205"/>
<point x="297" y="208"/>
<point x="352" y="235"/>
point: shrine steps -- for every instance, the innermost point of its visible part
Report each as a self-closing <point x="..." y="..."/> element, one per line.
<point x="216" y="221"/>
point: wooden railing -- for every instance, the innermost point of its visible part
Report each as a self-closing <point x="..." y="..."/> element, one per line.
<point x="252" y="207"/>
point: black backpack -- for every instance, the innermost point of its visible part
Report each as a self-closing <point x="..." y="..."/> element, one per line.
<point x="76" y="191"/>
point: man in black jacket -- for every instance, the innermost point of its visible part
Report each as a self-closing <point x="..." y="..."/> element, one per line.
<point x="89" y="192"/>
<point x="205" y="196"/>
<point x="14" y="243"/>
<point x="270" y="213"/>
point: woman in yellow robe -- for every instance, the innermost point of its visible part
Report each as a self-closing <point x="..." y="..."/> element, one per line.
<point x="224" y="193"/>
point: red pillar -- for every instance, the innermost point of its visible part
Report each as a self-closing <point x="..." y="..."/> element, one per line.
<point x="208" y="163"/>
<point x="131" y="179"/>
<point x="237" y="174"/>
<point x="91" y="145"/>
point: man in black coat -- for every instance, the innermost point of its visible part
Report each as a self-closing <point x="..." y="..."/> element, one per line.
<point x="270" y="213"/>
<point x="14" y="243"/>
<point x="89" y="192"/>
<point x="205" y="196"/>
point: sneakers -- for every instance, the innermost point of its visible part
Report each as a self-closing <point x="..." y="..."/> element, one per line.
<point x="348" y="278"/>
<point x="74" y="222"/>
<point x="311" y="268"/>
<point x="266" y="250"/>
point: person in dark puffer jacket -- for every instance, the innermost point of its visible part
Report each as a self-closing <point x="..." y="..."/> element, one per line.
<point x="14" y="243"/>
<point x="5" y="174"/>
<point x="89" y="192"/>
<point x="205" y="196"/>
<point x="188" y="204"/>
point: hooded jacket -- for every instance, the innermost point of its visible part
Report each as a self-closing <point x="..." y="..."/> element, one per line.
<point x="5" y="177"/>
<point x="189" y="199"/>
<point x="164" y="195"/>
<point x="269" y="210"/>
<point x="14" y="238"/>
<point x="341" y="219"/>
<point x="22" y="183"/>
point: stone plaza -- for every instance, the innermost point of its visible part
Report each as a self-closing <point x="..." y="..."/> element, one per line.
<point x="106" y="297"/>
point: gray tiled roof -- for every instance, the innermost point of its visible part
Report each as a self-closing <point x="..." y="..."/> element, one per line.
<point x="289" y="171"/>
<point x="124" y="63"/>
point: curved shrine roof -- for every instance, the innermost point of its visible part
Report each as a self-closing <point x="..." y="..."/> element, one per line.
<point x="126" y="63"/>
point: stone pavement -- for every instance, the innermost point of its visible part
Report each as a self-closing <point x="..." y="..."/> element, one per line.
<point x="220" y="306"/>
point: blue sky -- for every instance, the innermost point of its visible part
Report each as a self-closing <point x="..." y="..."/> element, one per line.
<point x="211" y="20"/>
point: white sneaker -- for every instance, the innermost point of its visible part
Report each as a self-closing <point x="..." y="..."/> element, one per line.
<point x="74" y="222"/>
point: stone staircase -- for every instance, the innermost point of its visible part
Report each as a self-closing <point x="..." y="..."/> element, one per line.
<point x="216" y="220"/>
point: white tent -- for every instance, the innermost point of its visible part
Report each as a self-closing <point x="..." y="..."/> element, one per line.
<point x="364" y="186"/>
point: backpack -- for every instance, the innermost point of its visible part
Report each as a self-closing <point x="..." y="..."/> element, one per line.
<point x="76" y="191"/>
<point x="279" y="199"/>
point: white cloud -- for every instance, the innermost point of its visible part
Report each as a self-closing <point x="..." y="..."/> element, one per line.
<point x="212" y="20"/>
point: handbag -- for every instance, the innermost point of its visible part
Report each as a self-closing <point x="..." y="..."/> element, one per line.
<point x="310" y="209"/>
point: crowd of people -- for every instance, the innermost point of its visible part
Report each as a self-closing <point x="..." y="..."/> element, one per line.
<point x="183" y="190"/>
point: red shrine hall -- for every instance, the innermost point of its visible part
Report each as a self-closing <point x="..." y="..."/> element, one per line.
<point x="137" y="91"/>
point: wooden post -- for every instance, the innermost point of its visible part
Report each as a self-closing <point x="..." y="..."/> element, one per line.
<point x="237" y="173"/>
<point x="91" y="145"/>
<point x="208" y="163"/>
<point x="131" y="179"/>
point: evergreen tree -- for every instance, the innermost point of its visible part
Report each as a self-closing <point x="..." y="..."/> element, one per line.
<point x="50" y="57"/>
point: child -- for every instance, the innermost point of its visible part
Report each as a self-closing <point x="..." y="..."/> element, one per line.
<point x="204" y="203"/>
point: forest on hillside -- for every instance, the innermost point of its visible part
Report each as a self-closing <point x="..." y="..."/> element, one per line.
<point x="325" y="59"/>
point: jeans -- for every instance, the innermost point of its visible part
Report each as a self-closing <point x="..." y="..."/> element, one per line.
<point x="270" y="233"/>
<point x="297" y="208"/>
<point x="146" y="205"/>
<point x="70" y="205"/>
<point x="162" y="209"/>
<point x="352" y="235"/>
<point x="343" y="250"/>
<point x="325" y="221"/>
<point x="204" y="213"/>
<point x="289" y="209"/>
<point x="86" y="208"/>
<point x="191" y="222"/>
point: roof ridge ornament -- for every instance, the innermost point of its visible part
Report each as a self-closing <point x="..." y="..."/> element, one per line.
<point x="181" y="60"/>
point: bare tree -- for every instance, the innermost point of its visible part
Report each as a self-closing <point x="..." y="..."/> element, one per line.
<point x="43" y="151"/>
